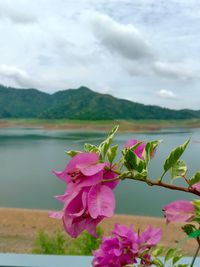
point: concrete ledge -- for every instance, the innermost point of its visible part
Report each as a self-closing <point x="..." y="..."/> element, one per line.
<point x="24" y="260"/>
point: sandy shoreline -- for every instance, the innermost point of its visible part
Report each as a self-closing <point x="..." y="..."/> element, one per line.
<point x="89" y="125"/>
<point x="125" y="126"/>
<point x="18" y="228"/>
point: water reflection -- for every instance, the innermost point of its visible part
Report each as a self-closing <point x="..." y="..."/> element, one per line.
<point x="27" y="157"/>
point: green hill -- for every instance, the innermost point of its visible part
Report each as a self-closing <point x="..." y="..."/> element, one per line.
<point x="18" y="103"/>
<point x="81" y="103"/>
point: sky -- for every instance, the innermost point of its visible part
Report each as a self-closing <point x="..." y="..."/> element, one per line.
<point x="146" y="51"/>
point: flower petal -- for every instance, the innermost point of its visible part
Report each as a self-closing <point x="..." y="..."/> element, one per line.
<point x="82" y="158"/>
<point x="73" y="226"/>
<point x="55" y="214"/>
<point x="91" y="225"/>
<point x="109" y="175"/>
<point x="62" y="175"/>
<point x="151" y="236"/>
<point x="90" y="180"/>
<point x="196" y="187"/>
<point x="179" y="211"/>
<point x="91" y="169"/>
<point x="139" y="150"/>
<point x="101" y="201"/>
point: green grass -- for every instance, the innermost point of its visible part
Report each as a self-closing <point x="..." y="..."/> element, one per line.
<point x="59" y="243"/>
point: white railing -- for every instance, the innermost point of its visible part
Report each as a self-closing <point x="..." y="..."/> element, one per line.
<point x="24" y="260"/>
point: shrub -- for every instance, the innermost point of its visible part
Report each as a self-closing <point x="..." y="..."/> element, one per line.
<point x="59" y="243"/>
<point x="49" y="244"/>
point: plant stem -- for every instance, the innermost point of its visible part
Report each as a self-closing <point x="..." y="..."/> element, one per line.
<point x="156" y="183"/>
<point x="160" y="180"/>
<point x="169" y="186"/>
<point x="195" y="255"/>
<point x="110" y="180"/>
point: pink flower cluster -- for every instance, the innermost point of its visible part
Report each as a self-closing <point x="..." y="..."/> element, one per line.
<point x="125" y="247"/>
<point x="87" y="200"/>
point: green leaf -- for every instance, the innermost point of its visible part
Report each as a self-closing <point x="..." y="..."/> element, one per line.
<point x="178" y="170"/>
<point x="158" y="250"/>
<point x="194" y="234"/>
<point x="150" y="148"/>
<point x="196" y="204"/>
<point x="177" y="258"/>
<point x="196" y="219"/>
<point x="130" y="159"/>
<point x="104" y="146"/>
<point x="195" y="179"/>
<point x="72" y="153"/>
<point x="132" y="162"/>
<point x="188" y="228"/>
<point x="182" y="265"/>
<point x="91" y="148"/>
<point x="158" y="262"/>
<point x="112" y="152"/>
<point x="170" y="254"/>
<point x="174" y="156"/>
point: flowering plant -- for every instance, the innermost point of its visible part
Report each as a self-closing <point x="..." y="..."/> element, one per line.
<point x="92" y="174"/>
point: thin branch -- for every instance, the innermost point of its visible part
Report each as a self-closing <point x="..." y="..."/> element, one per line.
<point x="195" y="256"/>
<point x="187" y="180"/>
<point x="111" y="180"/>
<point x="156" y="183"/>
<point x="169" y="186"/>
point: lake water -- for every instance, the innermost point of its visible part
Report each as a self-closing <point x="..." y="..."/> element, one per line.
<point x="28" y="156"/>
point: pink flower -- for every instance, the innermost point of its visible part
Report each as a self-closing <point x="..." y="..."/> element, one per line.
<point x="179" y="211"/>
<point x="139" y="150"/>
<point x="74" y="226"/>
<point x="112" y="254"/>
<point x="84" y="169"/>
<point x="151" y="236"/>
<point x="110" y="175"/>
<point x="125" y="247"/>
<point x="108" y="253"/>
<point x="196" y="187"/>
<point x="87" y="200"/>
<point x="127" y="236"/>
<point x="85" y="208"/>
<point x="101" y="201"/>
<point x="123" y="231"/>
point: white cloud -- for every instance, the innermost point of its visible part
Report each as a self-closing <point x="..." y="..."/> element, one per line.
<point x="15" y="75"/>
<point x="166" y="94"/>
<point x="123" y="39"/>
<point x="139" y="58"/>
<point x="172" y="70"/>
<point x="15" y="14"/>
<point x="129" y="48"/>
<point x="135" y="68"/>
<point x="157" y="69"/>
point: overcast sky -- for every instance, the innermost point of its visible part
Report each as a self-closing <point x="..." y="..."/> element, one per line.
<point x="147" y="51"/>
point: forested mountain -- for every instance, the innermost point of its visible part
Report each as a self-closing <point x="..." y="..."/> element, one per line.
<point x="81" y="103"/>
<point x="26" y="103"/>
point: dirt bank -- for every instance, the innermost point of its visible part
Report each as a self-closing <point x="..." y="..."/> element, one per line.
<point x="18" y="228"/>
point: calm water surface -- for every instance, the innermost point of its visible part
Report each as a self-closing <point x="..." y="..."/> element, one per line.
<point x="28" y="156"/>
